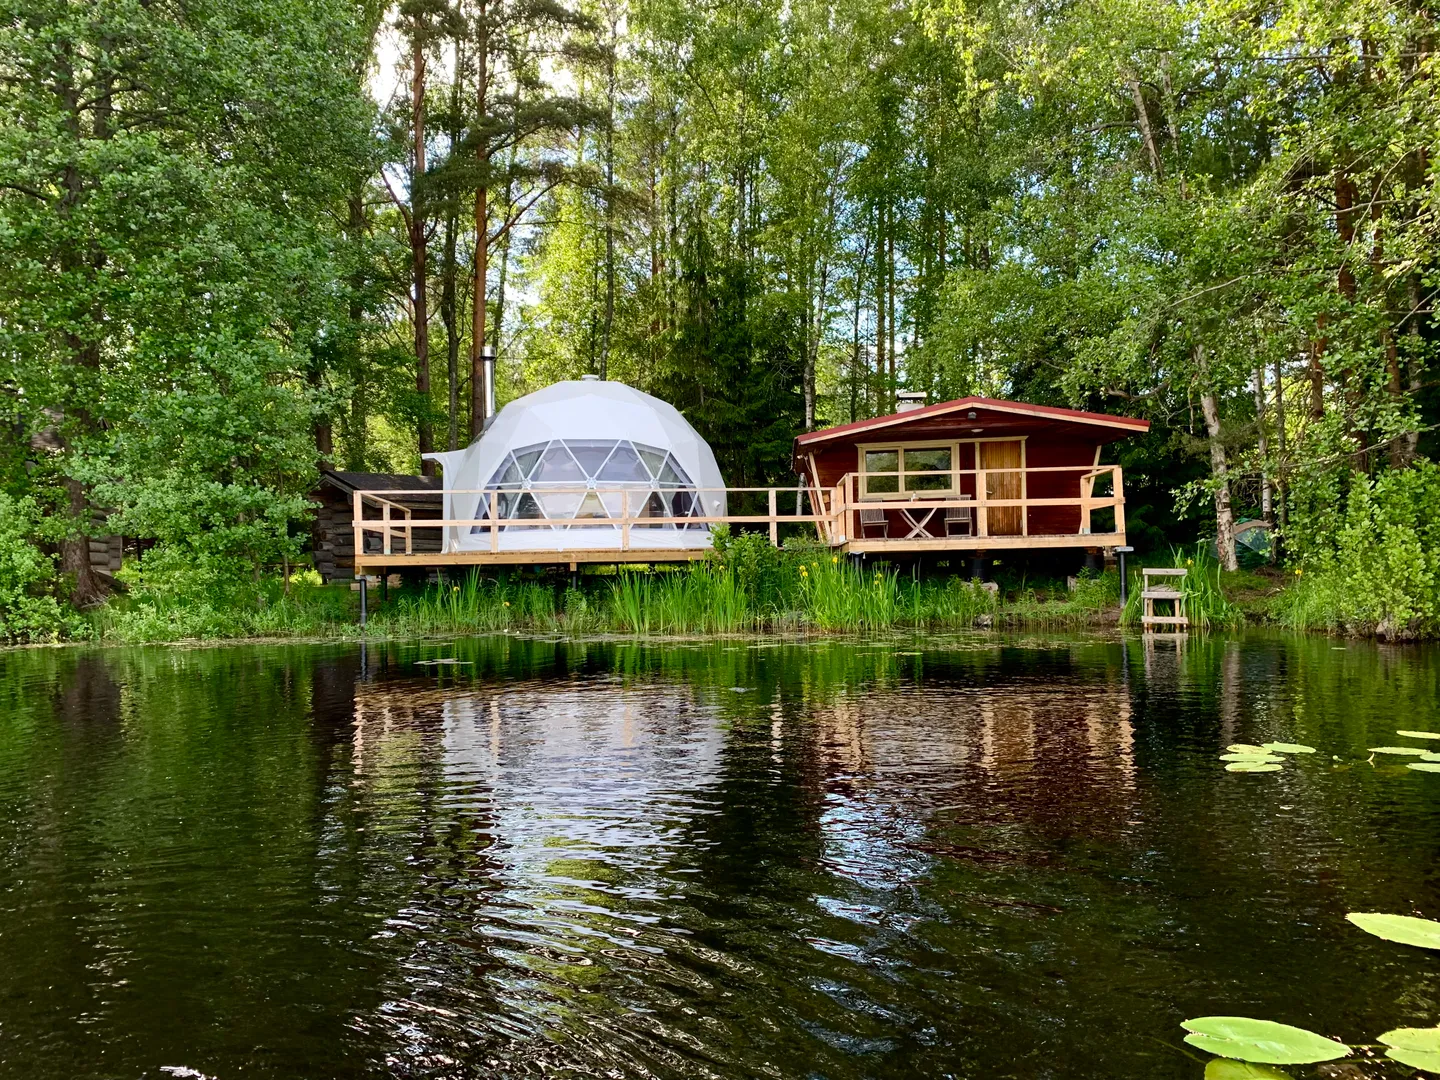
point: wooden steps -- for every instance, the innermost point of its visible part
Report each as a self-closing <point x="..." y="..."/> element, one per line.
<point x="1164" y="592"/>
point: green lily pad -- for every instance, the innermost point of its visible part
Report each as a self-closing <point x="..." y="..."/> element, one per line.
<point x="1419" y="734"/>
<point x="1424" y="766"/>
<point x="1246" y="748"/>
<point x="1288" y="748"/>
<point x="1417" y="750"/>
<point x="1252" y="765"/>
<point x="1405" y="929"/>
<point x="1417" y="1047"/>
<point x="1230" y="1069"/>
<point x="1264" y="1041"/>
<point x="1430" y="757"/>
<point x="1257" y="758"/>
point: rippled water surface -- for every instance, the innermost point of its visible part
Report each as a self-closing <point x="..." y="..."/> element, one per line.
<point x="958" y="857"/>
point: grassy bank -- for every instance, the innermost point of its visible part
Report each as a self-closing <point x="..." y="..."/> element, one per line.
<point x="745" y="586"/>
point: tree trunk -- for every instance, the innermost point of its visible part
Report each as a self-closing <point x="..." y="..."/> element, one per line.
<point x="857" y="362"/>
<point x="1282" y="513"/>
<point x="1318" y="345"/>
<point x="609" y="323"/>
<point x="890" y="299"/>
<point x="1224" y="518"/>
<point x="1266" y="510"/>
<point x="879" y="309"/>
<point x="482" y="231"/>
<point x="1147" y="133"/>
<point x="83" y="352"/>
<point x="418" y="253"/>
<point x="355" y="441"/>
<point x="449" y="287"/>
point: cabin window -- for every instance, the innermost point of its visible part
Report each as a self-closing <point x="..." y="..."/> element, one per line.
<point x="882" y="469"/>
<point x="892" y="472"/>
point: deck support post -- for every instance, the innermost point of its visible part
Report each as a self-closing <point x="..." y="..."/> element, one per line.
<point x="364" y="598"/>
<point x="1120" y="553"/>
<point x="979" y="567"/>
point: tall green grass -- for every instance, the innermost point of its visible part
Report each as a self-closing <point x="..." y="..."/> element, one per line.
<point x="744" y="586"/>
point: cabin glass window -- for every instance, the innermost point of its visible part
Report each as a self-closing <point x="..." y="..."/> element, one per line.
<point x="889" y="472"/>
<point x="550" y="480"/>
<point x="879" y="463"/>
<point x="928" y="468"/>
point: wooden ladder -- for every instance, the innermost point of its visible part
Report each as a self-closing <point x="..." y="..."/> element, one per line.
<point x="1174" y="593"/>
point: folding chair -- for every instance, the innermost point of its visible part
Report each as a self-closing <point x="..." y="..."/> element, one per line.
<point x="873" y="518"/>
<point x="959" y="520"/>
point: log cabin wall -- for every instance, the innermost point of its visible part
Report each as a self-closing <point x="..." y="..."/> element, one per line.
<point x="333" y="533"/>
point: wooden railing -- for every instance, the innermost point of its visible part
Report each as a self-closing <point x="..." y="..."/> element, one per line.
<point x="397" y="523"/>
<point x="833" y="511"/>
<point x="845" y="501"/>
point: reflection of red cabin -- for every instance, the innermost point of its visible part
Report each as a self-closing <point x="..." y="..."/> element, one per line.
<point x="975" y="473"/>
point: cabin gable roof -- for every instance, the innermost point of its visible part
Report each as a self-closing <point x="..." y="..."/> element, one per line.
<point x="1101" y="425"/>
<point x="351" y="482"/>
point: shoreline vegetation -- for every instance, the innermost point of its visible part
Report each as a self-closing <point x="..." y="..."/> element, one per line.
<point x="745" y="586"/>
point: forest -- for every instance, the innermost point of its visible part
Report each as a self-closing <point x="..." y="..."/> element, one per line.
<point x="243" y="240"/>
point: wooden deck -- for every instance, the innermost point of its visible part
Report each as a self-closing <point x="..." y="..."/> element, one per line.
<point x="388" y="537"/>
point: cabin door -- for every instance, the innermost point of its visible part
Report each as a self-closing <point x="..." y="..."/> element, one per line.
<point x="1003" y="480"/>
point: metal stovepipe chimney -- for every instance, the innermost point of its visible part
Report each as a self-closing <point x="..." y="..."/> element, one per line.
<point x="487" y="371"/>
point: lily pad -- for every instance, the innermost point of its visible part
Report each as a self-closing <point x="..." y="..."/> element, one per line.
<point x="1264" y="1041"/>
<point x="1406" y="929"/>
<point x="1416" y="750"/>
<point x="1419" y="734"/>
<point x="1288" y="748"/>
<point x="1417" y="1047"/>
<point x="1252" y="765"/>
<point x="1424" y="766"/>
<point x="1230" y="1069"/>
<point x="1246" y="748"/>
<point x="1257" y="758"/>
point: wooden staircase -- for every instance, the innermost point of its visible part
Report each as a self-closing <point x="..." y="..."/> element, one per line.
<point x="1167" y="590"/>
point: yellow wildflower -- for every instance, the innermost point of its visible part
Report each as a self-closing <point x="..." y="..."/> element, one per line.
<point x="507" y="603"/>
<point x="834" y="559"/>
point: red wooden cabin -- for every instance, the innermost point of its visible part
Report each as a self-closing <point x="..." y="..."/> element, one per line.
<point x="972" y="474"/>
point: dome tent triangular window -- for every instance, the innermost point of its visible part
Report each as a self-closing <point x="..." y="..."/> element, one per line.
<point x="586" y="451"/>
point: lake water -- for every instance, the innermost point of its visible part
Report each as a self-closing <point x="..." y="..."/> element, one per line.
<point x="967" y="856"/>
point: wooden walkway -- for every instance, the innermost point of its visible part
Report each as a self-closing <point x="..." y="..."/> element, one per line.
<point x="387" y="535"/>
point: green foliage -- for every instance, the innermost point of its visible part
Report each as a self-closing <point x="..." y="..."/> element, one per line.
<point x="29" y="610"/>
<point x="1416" y="1047"/>
<point x="1405" y="929"/>
<point x="1369" y="554"/>
<point x="174" y="595"/>
<point x="1262" y="1041"/>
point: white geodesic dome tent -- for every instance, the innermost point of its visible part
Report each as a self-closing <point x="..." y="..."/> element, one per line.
<point x="582" y="450"/>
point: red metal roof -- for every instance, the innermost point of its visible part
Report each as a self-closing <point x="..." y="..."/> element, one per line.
<point x="1019" y="408"/>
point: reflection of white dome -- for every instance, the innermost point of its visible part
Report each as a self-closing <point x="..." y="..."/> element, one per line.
<point x="583" y="449"/>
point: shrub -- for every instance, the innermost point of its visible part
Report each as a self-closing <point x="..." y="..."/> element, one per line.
<point x="29" y="610"/>
<point x="1370" y="562"/>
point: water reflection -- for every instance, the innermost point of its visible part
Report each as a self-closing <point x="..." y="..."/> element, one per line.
<point x="957" y="857"/>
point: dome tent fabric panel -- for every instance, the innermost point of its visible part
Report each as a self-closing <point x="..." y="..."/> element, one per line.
<point x="581" y="434"/>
